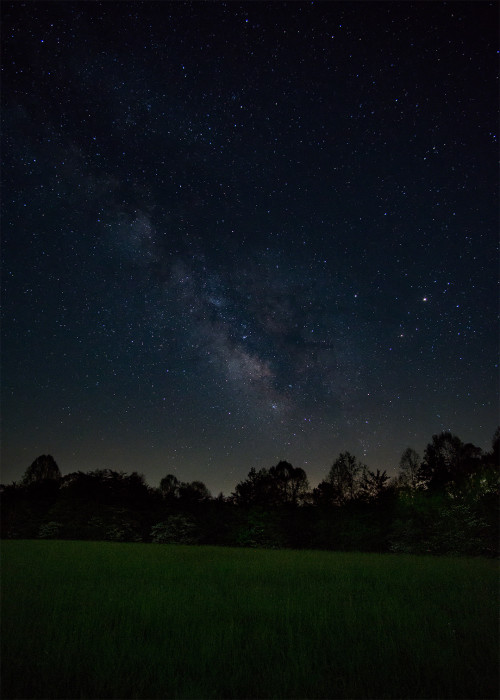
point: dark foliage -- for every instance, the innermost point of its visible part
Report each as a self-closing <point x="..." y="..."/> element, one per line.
<point x="277" y="486"/>
<point x="43" y="468"/>
<point x="446" y="504"/>
<point x="342" y="483"/>
<point x="447" y="461"/>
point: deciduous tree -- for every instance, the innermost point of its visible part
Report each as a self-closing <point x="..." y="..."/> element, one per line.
<point x="409" y="470"/>
<point x="44" y="467"/>
<point x="448" y="461"/>
<point x="342" y="483"/>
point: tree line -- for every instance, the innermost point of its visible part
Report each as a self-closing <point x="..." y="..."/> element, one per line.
<point x="443" y="503"/>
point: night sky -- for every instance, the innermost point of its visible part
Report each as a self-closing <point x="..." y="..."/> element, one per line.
<point x="234" y="233"/>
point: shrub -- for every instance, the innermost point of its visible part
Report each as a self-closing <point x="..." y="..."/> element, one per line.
<point x="176" y="529"/>
<point x="452" y="529"/>
<point x="50" y="531"/>
<point x="458" y="530"/>
<point x="122" y="532"/>
<point x="261" y="530"/>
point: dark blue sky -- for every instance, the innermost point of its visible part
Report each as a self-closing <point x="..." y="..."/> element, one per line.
<point x="234" y="233"/>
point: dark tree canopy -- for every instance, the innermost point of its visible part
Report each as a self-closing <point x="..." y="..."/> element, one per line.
<point x="254" y="490"/>
<point x="106" y="486"/>
<point x="194" y="492"/>
<point x="409" y="469"/>
<point x="373" y="484"/>
<point x="44" y="467"/>
<point x="190" y="492"/>
<point x="289" y="484"/>
<point x="448" y="503"/>
<point x="342" y="483"/>
<point x="282" y="484"/>
<point x="169" y="486"/>
<point x="447" y="460"/>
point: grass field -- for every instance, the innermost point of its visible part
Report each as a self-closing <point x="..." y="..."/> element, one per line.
<point x="104" y="620"/>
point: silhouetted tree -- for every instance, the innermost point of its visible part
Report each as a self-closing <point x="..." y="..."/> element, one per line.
<point x="169" y="486"/>
<point x="107" y="486"/>
<point x="456" y="511"/>
<point x="44" y="467"/>
<point x="324" y="494"/>
<point x="131" y="490"/>
<point x="409" y="470"/>
<point x="372" y="484"/>
<point x="194" y="492"/>
<point x="448" y="461"/>
<point x="282" y="484"/>
<point x="342" y="483"/>
<point x="288" y="484"/>
<point x="254" y="490"/>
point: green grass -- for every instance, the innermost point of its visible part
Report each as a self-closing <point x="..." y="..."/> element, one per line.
<point x="104" y="620"/>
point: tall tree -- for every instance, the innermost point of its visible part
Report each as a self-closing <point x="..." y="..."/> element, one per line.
<point x="169" y="486"/>
<point x="282" y="484"/>
<point x="342" y="483"/>
<point x="194" y="492"/>
<point x="44" y="467"/>
<point x="409" y="470"/>
<point x="448" y="461"/>
<point x="373" y="484"/>
<point x="288" y="484"/>
<point x="254" y="490"/>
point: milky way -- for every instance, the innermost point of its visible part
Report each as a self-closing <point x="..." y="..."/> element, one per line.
<point x="238" y="233"/>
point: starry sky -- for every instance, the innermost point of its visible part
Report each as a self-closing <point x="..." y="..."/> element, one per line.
<point x="234" y="233"/>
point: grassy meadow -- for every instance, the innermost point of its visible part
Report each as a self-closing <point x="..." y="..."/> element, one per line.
<point x="106" y="620"/>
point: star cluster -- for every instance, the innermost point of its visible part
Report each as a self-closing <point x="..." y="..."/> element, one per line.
<point x="235" y="233"/>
